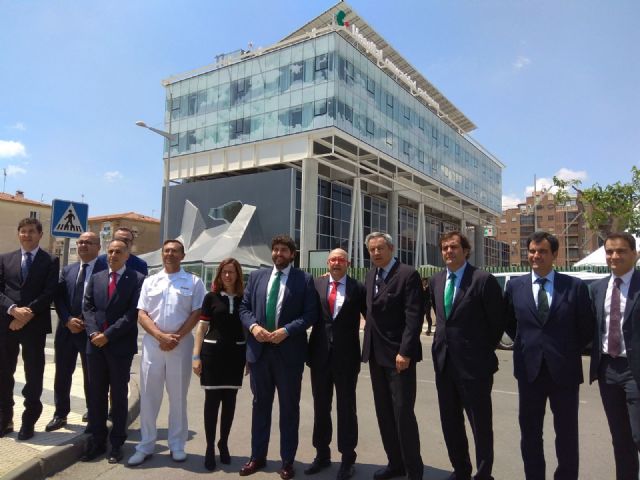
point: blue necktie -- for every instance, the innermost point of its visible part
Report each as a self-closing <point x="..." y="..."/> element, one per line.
<point x="26" y="266"/>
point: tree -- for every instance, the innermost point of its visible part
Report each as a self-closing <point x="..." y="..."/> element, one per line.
<point x="612" y="208"/>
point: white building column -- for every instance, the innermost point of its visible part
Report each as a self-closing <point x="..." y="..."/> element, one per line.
<point x="392" y="218"/>
<point x="309" y="210"/>
<point x="356" y="231"/>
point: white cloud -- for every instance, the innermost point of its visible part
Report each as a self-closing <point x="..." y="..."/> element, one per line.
<point x="521" y="62"/>
<point x="18" y="126"/>
<point x="567" y="174"/>
<point x="15" y="170"/>
<point x="546" y="184"/>
<point x="510" y="201"/>
<point x="542" y="184"/>
<point x="112" y="176"/>
<point x="10" y="148"/>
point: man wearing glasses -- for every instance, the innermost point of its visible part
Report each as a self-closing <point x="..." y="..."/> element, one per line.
<point x="334" y="360"/>
<point x="126" y="235"/>
<point x="71" y="337"/>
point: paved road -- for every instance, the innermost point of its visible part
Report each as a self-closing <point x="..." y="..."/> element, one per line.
<point x="595" y="447"/>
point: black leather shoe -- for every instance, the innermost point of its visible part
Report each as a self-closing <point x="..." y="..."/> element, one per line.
<point x="93" y="452"/>
<point x="6" y="429"/>
<point x="252" y="466"/>
<point x="225" y="456"/>
<point x="345" y="472"/>
<point x="210" y="459"/>
<point x="115" y="456"/>
<point x="85" y="417"/>
<point x="56" y="423"/>
<point x="387" y="473"/>
<point x="26" y="432"/>
<point x="287" y="472"/>
<point x="317" y="465"/>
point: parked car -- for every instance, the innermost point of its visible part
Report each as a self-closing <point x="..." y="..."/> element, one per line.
<point x="506" y="342"/>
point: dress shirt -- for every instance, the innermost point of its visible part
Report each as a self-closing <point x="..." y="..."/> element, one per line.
<point x="459" y="273"/>
<point x="340" y="293"/>
<point x="283" y="283"/>
<point x="548" y="286"/>
<point x="624" y="293"/>
<point x="119" y="272"/>
<point x="169" y="298"/>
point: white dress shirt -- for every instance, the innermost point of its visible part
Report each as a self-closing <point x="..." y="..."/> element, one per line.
<point x="340" y="294"/>
<point x="283" y="283"/>
<point x="624" y="293"/>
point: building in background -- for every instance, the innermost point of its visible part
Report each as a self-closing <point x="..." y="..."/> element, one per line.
<point x="540" y="212"/>
<point x="14" y="208"/>
<point x="332" y="134"/>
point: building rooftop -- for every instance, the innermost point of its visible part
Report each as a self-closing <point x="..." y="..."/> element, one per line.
<point x="19" y="198"/>
<point x="138" y="217"/>
<point x="447" y="110"/>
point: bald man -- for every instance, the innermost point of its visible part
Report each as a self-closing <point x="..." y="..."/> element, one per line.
<point x="334" y="360"/>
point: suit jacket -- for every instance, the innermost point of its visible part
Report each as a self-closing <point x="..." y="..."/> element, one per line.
<point x="120" y="313"/>
<point x="560" y="339"/>
<point x="474" y="327"/>
<point x="631" y="319"/>
<point x="336" y="342"/>
<point x="298" y="312"/>
<point x="133" y="262"/>
<point x="64" y="297"/>
<point x="394" y="316"/>
<point x="36" y="291"/>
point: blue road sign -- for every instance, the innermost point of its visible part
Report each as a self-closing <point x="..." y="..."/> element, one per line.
<point x="68" y="219"/>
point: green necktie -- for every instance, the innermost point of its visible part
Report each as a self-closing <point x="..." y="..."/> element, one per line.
<point x="448" y="294"/>
<point x="272" y="302"/>
<point x="543" y="301"/>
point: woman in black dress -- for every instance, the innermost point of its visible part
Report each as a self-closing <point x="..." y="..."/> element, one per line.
<point x="219" y="356"/>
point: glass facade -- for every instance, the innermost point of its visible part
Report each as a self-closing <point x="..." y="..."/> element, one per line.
<point x="334" y="215"/>
<point x="318" y="83"/>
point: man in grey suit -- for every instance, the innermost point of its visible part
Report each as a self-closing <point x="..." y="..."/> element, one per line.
<point x="615" y="354"/>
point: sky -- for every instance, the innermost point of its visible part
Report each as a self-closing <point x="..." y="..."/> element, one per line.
<point x="552" y="85"/>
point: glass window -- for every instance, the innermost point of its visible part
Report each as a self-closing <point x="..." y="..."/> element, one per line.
<point x="389" y="138"/>
<point x="348" y="113"/>
<point x="371" y="126"/>
<point x="371" y="86"/>
<point x="322" y="62"/>
<point x="389" y="100"/>
<point x="434" y="132"/>
<point x="320" y="107"/>
<point x="296" y="117"/>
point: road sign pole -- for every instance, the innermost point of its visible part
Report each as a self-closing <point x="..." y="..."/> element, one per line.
<point x="65" y="252"/>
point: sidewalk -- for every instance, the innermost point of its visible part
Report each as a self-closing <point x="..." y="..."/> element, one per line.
<point x="50" y="452"/>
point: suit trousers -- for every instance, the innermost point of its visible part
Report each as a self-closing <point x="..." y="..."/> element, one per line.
<point x="272" y="371"/>
<point x="157" y="369"/>
<point x="33" y="360"/>
<point x="108" y="373"/>
<point x="563" y="400"/>
<point x="67" y="347"/>
<point x="621" y="401"/>
<point x="394" y="397"/>
<point x="456" y="396"/>
<point x="323" y="381"/>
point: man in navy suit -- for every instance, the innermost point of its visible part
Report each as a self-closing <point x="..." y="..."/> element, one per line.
<point x="110" y="316"/>
<point x="279" y="304"/>
<point x="28" y="280"/>
<point x="391" y="345"/>
<point x="615" y="354"/>
<point x="126" y="235"/>
<point x="334" y="361"/>
<point x="469" y="313"/>
<point x="71" y="337"/>
<point x="549" y="315"/>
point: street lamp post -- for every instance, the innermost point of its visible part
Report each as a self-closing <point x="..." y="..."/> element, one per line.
<point x="169" y="136"/>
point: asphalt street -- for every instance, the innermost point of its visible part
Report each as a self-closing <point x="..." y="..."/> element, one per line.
<point x="596" y="455"/>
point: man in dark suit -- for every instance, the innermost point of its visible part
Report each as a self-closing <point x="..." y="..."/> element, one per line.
<point x="126" y="235"/>
<point x="279" y="304"/>
<point x="110" y="316"/>
<point x="615" y="352"/>
<point x="71" y="337"/>
<point x="28" y="280"/>
<point x="549" y="315"/>
<point x="469" y="313"/>
<point x="391" y="345"/>
<point x="334" y="361"/>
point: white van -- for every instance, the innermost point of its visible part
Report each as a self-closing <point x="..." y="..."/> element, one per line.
<point x="506" y="342"/>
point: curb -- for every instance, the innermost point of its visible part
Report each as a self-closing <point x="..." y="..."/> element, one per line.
<point x="60" y="457"/>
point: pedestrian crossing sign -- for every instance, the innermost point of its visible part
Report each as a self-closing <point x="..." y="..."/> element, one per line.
<point x="68" y="219"/>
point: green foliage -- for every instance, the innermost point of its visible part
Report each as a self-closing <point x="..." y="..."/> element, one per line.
<point x="609" y="208"/>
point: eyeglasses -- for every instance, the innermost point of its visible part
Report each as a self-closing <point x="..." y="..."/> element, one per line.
<point x="84" y="242"/>
<point x="337" y="260"/>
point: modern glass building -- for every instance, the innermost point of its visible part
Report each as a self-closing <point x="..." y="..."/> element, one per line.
<point x="362" y="140"/>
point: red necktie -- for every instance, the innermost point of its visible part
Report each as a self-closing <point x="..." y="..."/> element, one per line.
<point x="112" y="284"/>
<point x="332" y="297"/>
